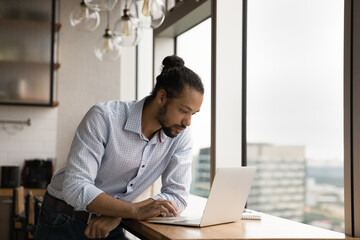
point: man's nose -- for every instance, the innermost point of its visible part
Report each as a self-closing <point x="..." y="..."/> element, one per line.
<point x="187" y="121"/>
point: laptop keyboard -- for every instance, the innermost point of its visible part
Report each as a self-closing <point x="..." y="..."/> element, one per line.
<point x="182" y="220"/>
<point x="191" y="221"/>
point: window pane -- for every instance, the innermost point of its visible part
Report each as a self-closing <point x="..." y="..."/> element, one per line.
<point x="295" y="109"/>
<point x="194" y="46"/>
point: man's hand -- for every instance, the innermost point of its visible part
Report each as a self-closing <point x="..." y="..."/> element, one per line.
<point x="101" y="226"/>
<point x="155" y="208"/>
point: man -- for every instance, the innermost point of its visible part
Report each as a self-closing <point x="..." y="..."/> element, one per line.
<point x="119" y="150"/>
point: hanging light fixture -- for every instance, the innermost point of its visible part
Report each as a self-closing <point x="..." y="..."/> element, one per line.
<point x="153" y="13"/>
<point x="108" y="47"/>
<point x="127" y="28"/>
<point x="84" y="19"/>
<point x="101" y="5"/>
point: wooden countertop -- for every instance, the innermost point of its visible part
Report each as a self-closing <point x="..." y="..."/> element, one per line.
<point x="8" y="192"/>
<point x="269" y="227"/>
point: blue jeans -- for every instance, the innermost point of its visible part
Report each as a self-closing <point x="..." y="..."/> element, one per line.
<point x="53" y="225"/>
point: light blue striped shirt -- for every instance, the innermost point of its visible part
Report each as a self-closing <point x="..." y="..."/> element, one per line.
<point x="110" y="154"/>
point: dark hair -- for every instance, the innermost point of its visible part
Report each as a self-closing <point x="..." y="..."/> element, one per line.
<point x="174" y="77"/>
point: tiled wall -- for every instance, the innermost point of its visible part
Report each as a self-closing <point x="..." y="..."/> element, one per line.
<point x="20" y="142"/>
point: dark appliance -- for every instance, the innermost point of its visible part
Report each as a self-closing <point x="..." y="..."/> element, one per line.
<point x="37" y="173"/>
<point x="10" y="176"/>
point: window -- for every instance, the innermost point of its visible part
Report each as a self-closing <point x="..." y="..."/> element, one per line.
<point x="295" y="109"/>
<point x="194" y="46"/>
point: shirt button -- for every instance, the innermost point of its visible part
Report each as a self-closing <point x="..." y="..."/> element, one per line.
<point x="131" y="185"/>
<point x="143" y="166"/>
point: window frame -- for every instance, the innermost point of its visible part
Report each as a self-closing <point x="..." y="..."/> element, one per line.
<point x="352" y="117"/>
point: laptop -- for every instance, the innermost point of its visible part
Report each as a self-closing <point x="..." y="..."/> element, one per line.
<point x="226" y="201"/>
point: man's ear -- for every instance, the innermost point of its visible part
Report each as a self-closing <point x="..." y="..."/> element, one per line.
<point x="161" y="97"/>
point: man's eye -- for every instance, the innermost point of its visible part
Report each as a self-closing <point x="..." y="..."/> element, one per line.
<point x="183" y="111"/>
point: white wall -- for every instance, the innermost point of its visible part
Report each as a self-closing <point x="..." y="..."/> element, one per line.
<point x="145" y="64"/>
<point x="23" y="142"/>
<point x="84" y="80"/>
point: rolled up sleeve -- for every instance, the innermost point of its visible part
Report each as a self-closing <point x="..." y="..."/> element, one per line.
<point x="176" y="178"/>
<point x="84" y="160"/>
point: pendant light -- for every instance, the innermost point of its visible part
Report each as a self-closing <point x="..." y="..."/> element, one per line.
<point x="84" y="19"/>
<point x="127" y="28"/>
<point x="152" y="13"/>
<point x="127" y="31"/>
<point x="101" y="5"/>
<point x="107" y="47"/>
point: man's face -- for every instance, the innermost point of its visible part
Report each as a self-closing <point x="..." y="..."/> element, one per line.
<point x="175" y="115"/>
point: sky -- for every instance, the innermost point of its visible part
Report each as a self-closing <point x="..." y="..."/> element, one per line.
<point x="295" y="75"/>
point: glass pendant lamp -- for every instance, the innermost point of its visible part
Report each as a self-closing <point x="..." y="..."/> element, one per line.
<point x="152" y="13"/>
<point x="84" y="19"/>
<point x="101" y="5"/>
<point x="107" y="47"/>
<point x="127" y="28"/>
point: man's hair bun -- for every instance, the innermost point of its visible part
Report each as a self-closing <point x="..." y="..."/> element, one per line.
<point x="172" y="61"/>
<point x="174" y="77"/>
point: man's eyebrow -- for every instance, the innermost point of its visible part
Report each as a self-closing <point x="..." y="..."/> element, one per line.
<point x="189" y="108"/>
<point x="186" y="106"/>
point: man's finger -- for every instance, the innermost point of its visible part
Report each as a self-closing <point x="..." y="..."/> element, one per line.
<point x="163" y="209"/>
<point x="171" y="208"/>
<point x="169" y="205"/>
<point x="87" y="231"/>
<point x="99" y="234"/>
<point x="93" y="229"/>
<point x="105" y="235"/>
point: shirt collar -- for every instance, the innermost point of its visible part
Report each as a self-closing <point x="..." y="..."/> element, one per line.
<point x="162" y="136"/>
<point x="133" y="122"/>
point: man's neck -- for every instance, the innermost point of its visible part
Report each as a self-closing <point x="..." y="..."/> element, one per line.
<point x="149" y="124"/>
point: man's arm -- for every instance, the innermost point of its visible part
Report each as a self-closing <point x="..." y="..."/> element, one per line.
<point x="84" y="159"/>
<point x="106" y="205"/>
<point x="176" y="178"/>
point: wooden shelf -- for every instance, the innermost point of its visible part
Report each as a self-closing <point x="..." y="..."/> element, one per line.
<point x="29" y="102"/>
<point x="56" y="66"/>
<point x="57" y="27"/>
<point x="30" y="63"/>
<point x="28" y="23"/>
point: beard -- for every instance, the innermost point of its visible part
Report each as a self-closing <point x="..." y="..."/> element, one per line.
<point x="161" y="117"/>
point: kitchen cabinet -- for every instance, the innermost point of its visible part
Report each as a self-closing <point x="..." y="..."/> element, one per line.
<point x="6" y="201"/>
<point x="28" y="52"/>
<point x="5" y="216"/>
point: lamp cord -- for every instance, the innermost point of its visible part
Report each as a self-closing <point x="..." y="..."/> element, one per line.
<point x="108" y="19"/>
